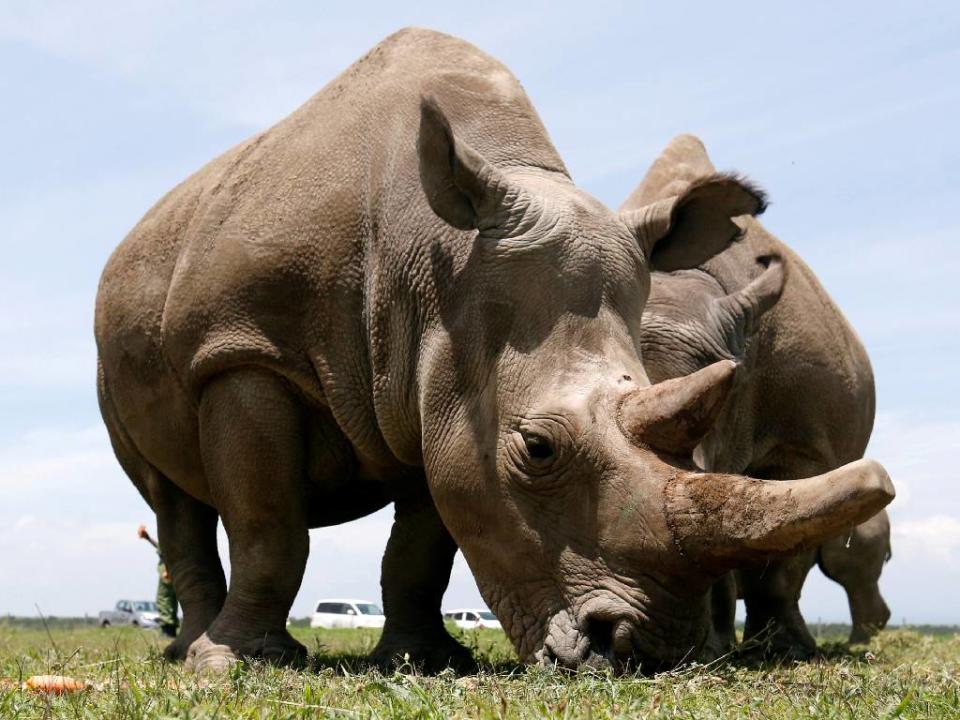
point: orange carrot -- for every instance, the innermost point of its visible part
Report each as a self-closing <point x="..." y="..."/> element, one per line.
<point x="55" y="684"/>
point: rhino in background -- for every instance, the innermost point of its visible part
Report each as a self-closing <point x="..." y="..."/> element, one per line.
<point x="397" y="294"/>
<point x="802" y="400"/>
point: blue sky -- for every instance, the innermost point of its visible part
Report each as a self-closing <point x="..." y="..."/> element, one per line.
<point x="845" y="112"/>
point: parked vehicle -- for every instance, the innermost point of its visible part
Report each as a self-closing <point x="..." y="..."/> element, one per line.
<point x="340" y="613"/>
<point x="472" y="618"/>
<point x="139" y="613"/>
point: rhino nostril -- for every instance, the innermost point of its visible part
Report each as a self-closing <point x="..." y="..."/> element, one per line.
<point x="600" y="634"/>
<point x="611" y="639"/>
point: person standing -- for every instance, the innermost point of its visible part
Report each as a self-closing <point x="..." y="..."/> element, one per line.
<point x="166" y="595"/>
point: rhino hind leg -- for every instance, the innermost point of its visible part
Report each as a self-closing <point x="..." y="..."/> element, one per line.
<point x="868" y="611"/>
<point x="855" y="561"/>
<point x="251" y="438"/>
<point x="188" y="541"/>
<point x="414" y="576"/>
<point x="187" y="532"/>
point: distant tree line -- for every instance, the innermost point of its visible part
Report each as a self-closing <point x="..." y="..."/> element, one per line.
<point x="819" y="630"/>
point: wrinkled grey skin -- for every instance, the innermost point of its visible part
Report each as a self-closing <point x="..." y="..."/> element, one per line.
<point x="397" y="294"/>
<point x="802" y="401"/>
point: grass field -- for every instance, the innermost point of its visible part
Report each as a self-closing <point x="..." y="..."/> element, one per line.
<point x="903" y="674"/>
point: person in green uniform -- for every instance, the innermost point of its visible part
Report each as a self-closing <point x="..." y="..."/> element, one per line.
<point x="166" y="595"/>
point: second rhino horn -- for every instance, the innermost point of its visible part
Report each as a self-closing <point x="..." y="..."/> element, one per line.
<point x="760" y="295"/>
<point x="674" y="415"/>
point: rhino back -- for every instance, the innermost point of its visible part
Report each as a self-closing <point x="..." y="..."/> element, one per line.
<point x="810" y="397"/>
<point x="306" y="248"/>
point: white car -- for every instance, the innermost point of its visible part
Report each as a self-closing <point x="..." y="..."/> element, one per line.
<point x="339" y="613"/>
<point x="472" y="618"/>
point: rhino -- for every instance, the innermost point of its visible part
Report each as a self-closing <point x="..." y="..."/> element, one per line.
<point x="802" y="401"/>
<point x="398" y="295"/>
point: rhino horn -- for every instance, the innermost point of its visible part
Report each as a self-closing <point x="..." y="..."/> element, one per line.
<point x="674" y="415"/>
<point x="751" y="302"/>
<point x="723" y="521"/>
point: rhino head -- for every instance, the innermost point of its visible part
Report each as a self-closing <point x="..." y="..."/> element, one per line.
<point x="561" y="472"/>
<point x="691" y="321"/>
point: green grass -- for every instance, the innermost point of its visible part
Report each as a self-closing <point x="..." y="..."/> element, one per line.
<point x="903" y="674"/>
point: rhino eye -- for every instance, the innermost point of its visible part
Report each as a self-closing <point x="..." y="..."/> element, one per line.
<point x="538" y="447"/>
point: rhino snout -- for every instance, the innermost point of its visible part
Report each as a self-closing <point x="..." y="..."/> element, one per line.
<point x="609" y="633"/>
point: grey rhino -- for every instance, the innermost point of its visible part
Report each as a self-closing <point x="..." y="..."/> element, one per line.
<point x="397" y="294"/>
<point x="802" y="401"/>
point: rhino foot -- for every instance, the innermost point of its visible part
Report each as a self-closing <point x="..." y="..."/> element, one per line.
<point x="870" y="613"/>
<point x="177" y="650"/>
<point x="862" y="632"/>
<point x="205" y="655"/>
<point x="716" y="647"/>
<point x="779" y="643"/>
<point x="428" y="655"/>
<point x="277" y="648"/>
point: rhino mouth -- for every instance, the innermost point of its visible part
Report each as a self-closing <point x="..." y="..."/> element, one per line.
<point x="610" y="634"/>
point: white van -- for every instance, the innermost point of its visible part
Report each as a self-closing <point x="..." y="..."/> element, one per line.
<point x="339" y="613"/>
<point x="472" y="618"/>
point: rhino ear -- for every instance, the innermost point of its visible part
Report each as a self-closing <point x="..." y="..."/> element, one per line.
<point x="682" y="162"/>
<point x="461" y="187"/>
<point x="685" y="231"/>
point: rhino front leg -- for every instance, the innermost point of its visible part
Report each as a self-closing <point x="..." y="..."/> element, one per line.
<point x="772" y="598"/>
<point x="188" y="542"/>
<point x="723" y="617"/>
<point x="414" y="576"/>
<point x="253" y="455"/>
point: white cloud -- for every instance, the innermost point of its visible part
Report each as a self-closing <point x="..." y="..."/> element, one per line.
<point x="23" y="522"/>
<point x="240" y="67"/>
<point x="41" y="462"/>
<point x="235" y="77"/>
<point x="918" y="452"/>
<point x="70" y="366"/>
<point x="920" y="582"/>
<point x="67" y="508"/>
<point x="117" y="37"/>
<point x="936" y="537"/>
